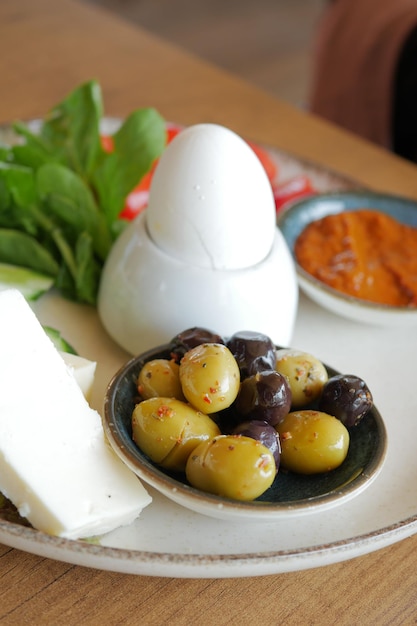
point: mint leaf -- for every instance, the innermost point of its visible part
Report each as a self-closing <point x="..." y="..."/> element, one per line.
<point x="71" y="201"/>
<point x="71" y="130"/>
<point x="88" y="270"/>
<point x="19" y="248"/>
<point x="34" y="146"/>
<point x="17" y="195"/>
<point x="139" y="141"/>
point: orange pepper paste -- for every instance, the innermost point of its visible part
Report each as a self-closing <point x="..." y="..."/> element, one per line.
<point x="363" y="253"/>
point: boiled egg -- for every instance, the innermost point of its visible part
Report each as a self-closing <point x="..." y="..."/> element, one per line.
<point x="205" y="252"/>
<point x="210" y="201"/>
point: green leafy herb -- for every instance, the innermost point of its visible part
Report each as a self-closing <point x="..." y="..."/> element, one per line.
<point x="136" y="145"/>
<point x="19" y="248"/>
<point x="58" y="340"/>
<point x="61" y="194"/>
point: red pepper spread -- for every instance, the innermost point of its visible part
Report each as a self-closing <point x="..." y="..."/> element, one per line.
<point x="364" y="253"/>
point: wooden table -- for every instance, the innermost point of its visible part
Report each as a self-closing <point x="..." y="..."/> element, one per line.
<point x="47" y="48"/>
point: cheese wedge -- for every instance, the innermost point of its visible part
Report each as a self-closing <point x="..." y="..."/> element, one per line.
<point x="55" y="464"/>
<point x="83" y="371"/>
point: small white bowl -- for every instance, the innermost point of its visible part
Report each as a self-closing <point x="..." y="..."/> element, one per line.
<point x="293" y="221"/>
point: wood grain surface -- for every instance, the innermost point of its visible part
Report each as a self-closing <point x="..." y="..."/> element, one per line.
<point x="48" y="47"/>
<point x="268" y="42"/>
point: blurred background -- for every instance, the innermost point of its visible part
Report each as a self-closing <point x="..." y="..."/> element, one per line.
<point x="267" y="42"/>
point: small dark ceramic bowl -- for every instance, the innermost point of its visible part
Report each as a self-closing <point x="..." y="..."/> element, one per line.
<point x="295" y="219"/>
<point x="289" y="495"/>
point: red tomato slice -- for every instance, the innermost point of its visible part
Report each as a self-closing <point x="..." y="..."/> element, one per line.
<point x="267" y="161"/>
<point x="172" y="131"/>
<point x="292" y="190"/>
<point x="137" y="199"/>
<point x="107" y="143"/>
<point x="136" y="202"/>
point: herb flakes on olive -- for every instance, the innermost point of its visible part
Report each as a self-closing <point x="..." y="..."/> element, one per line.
<point x="306" y="375"/>
<point x="160" y="377"/>
<point x="233" y="466"/>
<point x="167" y="430"/>
<point x="312" y="442"/>
<point x="209" y="377"/>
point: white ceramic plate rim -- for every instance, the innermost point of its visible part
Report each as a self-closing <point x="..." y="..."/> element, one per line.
<point x="201" y="565"/>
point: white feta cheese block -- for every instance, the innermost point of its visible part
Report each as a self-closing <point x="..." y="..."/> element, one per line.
<point x="55" y="464"/>
<point x="83" y="371"/>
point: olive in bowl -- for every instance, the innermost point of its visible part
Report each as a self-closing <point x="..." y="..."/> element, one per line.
<point x="167" y="430"/>
<point x="347" y="397"/>
<point x="288" y="493"/>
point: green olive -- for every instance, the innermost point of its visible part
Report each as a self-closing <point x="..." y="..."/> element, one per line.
<point x="167" y="430"/>
<point x="306" y="375"/>
<point x="312" y="442"/>
<point x="210" y="377"/>
<point x="233" y="466"/>
<point x="160" y="377"/>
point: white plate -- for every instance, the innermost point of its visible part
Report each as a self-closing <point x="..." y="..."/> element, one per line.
<point x="169" y="540"/>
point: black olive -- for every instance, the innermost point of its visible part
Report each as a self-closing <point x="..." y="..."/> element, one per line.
<point x="190" y="338"/>
<point x="253" y="351"/>
<point x="346" y="397"/>
<point x="265" y="396"/>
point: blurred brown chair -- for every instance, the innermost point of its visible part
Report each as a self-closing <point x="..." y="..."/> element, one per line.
<point x="365" y="71"/>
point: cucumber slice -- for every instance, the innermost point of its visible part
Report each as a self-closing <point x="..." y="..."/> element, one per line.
<point x="31" y="284"/>
<point x="59" y="342"/>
